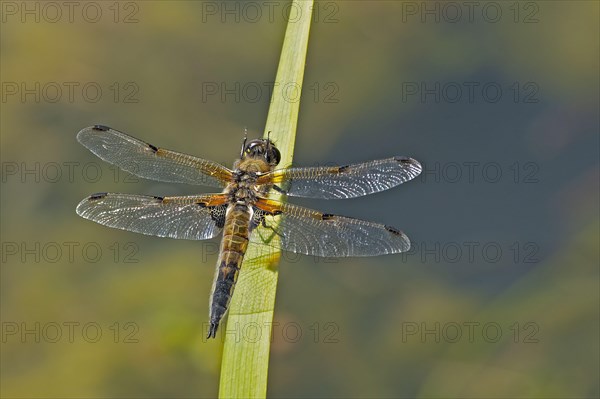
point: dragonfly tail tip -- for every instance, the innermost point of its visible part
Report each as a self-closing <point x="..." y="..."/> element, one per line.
<point x="212" y="330"/>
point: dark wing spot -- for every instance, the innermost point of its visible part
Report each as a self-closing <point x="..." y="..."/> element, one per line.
<point x="343" y="169"/>
<point x="217" y="213"/>
<point x="102" y="128"/>
<point x="158" y="198"/>
<point x="279" y="189"/>
<point x="153" y="148"/>
<point x="97" y="196"/>
<point x="393" y="230"/>
<point x="405" y="160"/>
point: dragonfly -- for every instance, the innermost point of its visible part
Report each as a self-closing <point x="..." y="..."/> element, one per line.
<point x="244" y="203"/>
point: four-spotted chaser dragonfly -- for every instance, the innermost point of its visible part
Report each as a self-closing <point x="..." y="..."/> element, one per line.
<point x="243" y="204"/>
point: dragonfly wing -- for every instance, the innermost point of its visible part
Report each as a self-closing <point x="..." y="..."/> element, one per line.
<point x="187" y="217"/>
<point x="344" y="181"/>
<point x="150" y="162"/>
<point x="305" y="231"/>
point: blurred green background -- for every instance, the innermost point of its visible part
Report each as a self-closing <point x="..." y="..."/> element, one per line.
<point x="499" y="296"/>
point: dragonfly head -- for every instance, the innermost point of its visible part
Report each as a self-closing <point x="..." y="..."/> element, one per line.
<point x="262" y="149"/>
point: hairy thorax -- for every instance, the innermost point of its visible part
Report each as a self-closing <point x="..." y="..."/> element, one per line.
<point x="243" y="188"/>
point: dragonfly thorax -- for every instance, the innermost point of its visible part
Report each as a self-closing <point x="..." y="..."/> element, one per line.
<point x="243" y="188"/>
<point x="242" y="193"/>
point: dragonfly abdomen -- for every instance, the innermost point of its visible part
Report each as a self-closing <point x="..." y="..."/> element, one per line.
<point x="233" y="248"/>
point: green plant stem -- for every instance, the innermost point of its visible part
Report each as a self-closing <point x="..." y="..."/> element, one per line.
<point x="245" y="361"/>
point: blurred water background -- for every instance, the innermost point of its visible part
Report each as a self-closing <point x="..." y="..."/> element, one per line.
<point x="499" y="296"/>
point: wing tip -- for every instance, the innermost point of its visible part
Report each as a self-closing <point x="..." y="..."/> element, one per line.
<point x="407" y="161"/>
<point x="415" y="165"/>
<point x="400" y="234"/>
<point x="81" y="135"/>
<point x="82" y="204"/>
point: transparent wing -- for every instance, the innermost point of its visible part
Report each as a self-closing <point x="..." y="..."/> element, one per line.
<point x="150" y="162"/>
<point x="344" y="181"/>
<point x="310" y="232"/>
<point x="189" y="218"/>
